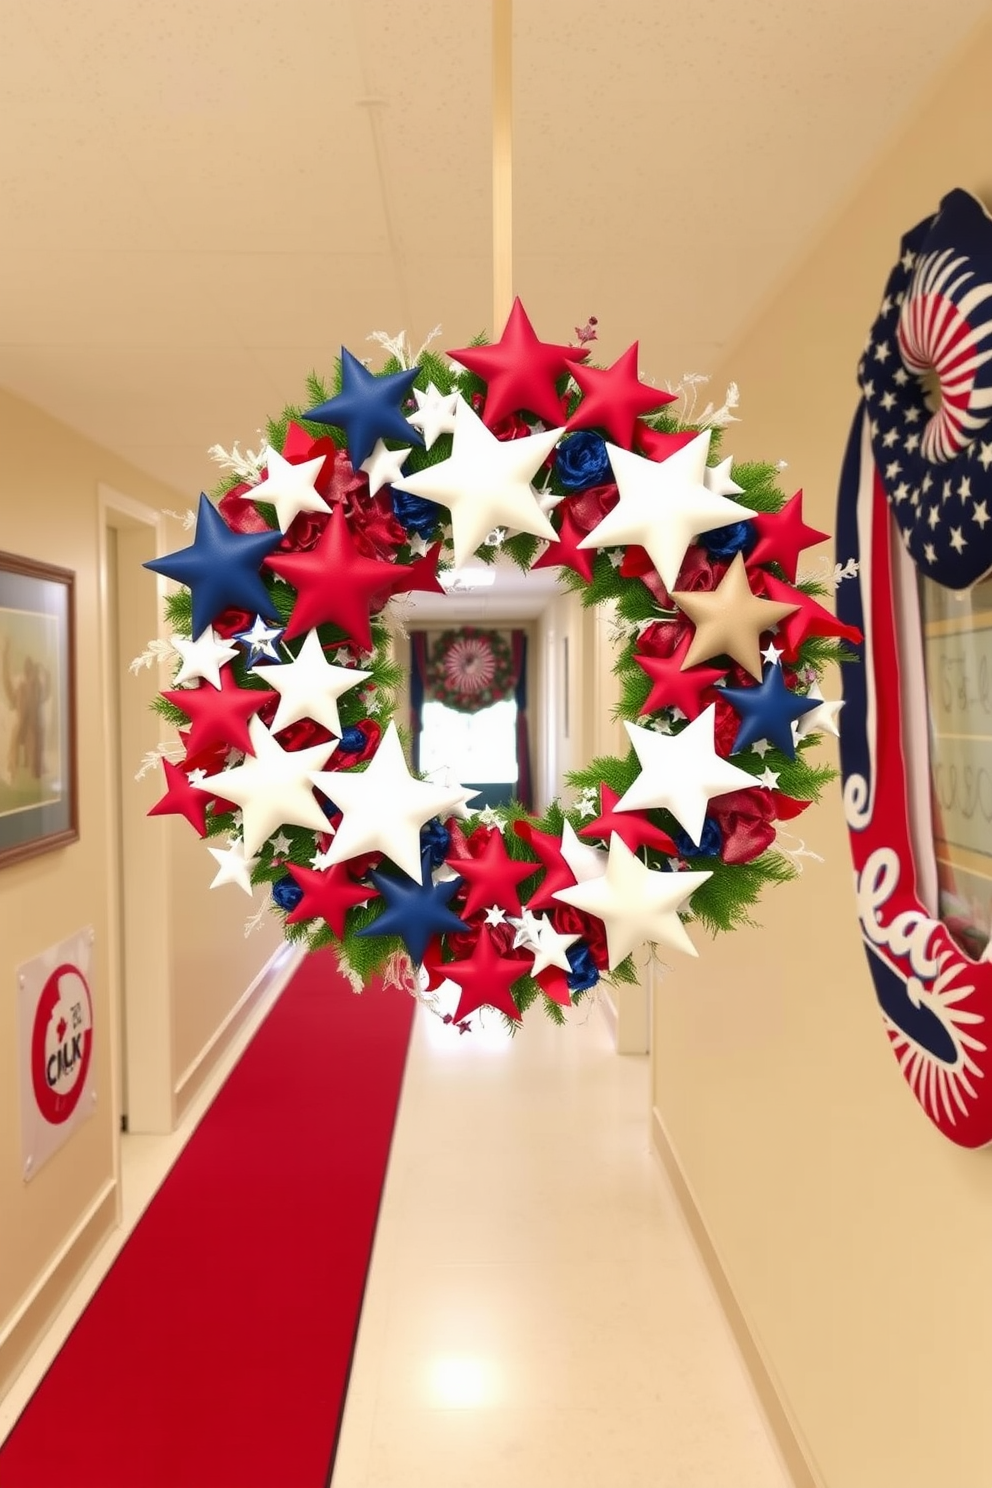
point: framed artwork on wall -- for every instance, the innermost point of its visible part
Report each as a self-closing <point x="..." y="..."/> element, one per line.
<point x="38" y="787"/>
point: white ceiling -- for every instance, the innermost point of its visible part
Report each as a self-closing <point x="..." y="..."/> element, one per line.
<point x="201" y="202"/>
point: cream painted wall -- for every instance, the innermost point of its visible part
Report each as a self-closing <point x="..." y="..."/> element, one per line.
<point x="50" y="490"/>
<point x="856" y="1240"/>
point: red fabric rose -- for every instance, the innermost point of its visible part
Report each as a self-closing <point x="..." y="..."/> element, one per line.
<point x="664" y="637"/>
<point x="589" y="508"/>
<point x="229" y="622"/>
<point x="568" y="920"/>
<point x="745" y="818"/>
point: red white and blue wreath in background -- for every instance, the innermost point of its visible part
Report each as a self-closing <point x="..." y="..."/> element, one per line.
<point x="283" y="677"/>
<point x="920" y="455"/>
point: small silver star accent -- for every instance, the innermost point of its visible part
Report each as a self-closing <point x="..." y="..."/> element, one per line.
<point x="280" y="845"/>
<point x="494" y="915"/>
<point x="768" y="778"/>
<point x="760" y="747"/>
<point x="772" y="654"/>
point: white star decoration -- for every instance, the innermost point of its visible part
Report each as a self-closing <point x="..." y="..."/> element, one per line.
<point x="435" y="413"/>
<point x="203" y="657"/>
<point x="681" y="772"/>
<point x="309" y="686"/>
<point x="280" y="845"/>
<point x="663" y="505"/>
<point x="272" y="786"/>
<point x="233" y="866"/>
<point x="822" y="719"/>
<point x="289" y="487"/>
<point x="584" y="861"/>
<point x="551" y="947"/>
<point x="384" y="807"/>
<point x="383" y="466"/>
<point x="485" y="483"/>
<point x="636" y="903"/>
<point x="717" y="479"/>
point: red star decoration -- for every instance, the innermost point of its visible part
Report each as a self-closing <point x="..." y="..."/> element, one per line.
<point x="420" y="576"/>
<point x="491" y="875"/>
<point x="674" y="688"/>
<point x="182" y="799"/>
<point x="335" y="584"/>
<point x="632" y="827"/>
<point x="810" y="619"/>
<point x="485" y="980"/>
<point x="566" y="553"/>
<point x="219" y="717"/>
<point x="557" y="873"/>
<point x="553" y="982"/>
<point x="328" y="893"/>
<point x="520" y="371"/>
<point x="783" y="535"/>
<point x="656" y="445"/>
<point x="613" y="399"/>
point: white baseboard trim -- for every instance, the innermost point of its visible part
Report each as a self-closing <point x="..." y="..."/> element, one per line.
<point x="795" y="1457"/>
<point x="64" y="1253"/>
<point x="281" y="963"/>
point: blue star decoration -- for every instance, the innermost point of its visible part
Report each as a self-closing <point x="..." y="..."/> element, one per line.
<point x="221" y="569"/>
<point x="767" y="711"/>
<point x="367" y="408"/>
<point x="260" y="640"/>
<point x="415" y="912"/>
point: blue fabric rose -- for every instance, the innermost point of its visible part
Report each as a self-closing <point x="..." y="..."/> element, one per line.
<point x="414" y="513"/>
<point x="585" y="973"/>
<point x="582" y="461"/>
<point x="724" y="542"/>
<point x="435" y="839"/>
<point x="352" y="741"/>
<point x="709" y="846"/>
<point x="287" y="893"/>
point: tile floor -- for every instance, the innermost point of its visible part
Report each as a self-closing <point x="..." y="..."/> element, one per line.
<point x="536" y="1314"/>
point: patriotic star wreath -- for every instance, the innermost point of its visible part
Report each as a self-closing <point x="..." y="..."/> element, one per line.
<point x="919" y="461"/>
<point x="284" y="679"/>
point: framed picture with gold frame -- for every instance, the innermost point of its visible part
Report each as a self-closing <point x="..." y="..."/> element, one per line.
<point x="38" y="771"/>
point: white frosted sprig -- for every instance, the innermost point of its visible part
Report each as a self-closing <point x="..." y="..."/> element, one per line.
<point x="152" y="757"/>
<point x="254" y="922"/>
<point x="798" y="852"/>
<point x="188" y="517"/>
<point x="156" y="650"/>
<point x="399" y="347"/>
<point x="348" y="972"/>
<point x="830" y="574"/>
<point x="710" y="417"/>
<point x="247" y="466"/>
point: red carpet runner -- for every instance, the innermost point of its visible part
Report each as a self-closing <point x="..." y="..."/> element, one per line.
<point x="216" y="1352"/>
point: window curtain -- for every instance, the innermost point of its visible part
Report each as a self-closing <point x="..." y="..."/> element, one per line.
<point x="428" y="683"/>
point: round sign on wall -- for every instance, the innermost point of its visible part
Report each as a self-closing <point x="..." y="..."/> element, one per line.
<point x="56" y="1047"/>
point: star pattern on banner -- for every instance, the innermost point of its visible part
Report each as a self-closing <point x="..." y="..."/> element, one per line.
<point x="636" y="903"/>
<point x="367" y="407"/>
<point x="485" y="483"/>
<point x="520" y="371"/>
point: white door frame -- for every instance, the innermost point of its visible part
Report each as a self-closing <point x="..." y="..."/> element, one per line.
<point x="138" y="848"/>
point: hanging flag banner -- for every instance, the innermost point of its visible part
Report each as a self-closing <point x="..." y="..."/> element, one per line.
<point x="55" y="1019"/>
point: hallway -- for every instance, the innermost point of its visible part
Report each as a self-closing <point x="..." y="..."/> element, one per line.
<point x="536" y="1312"/>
